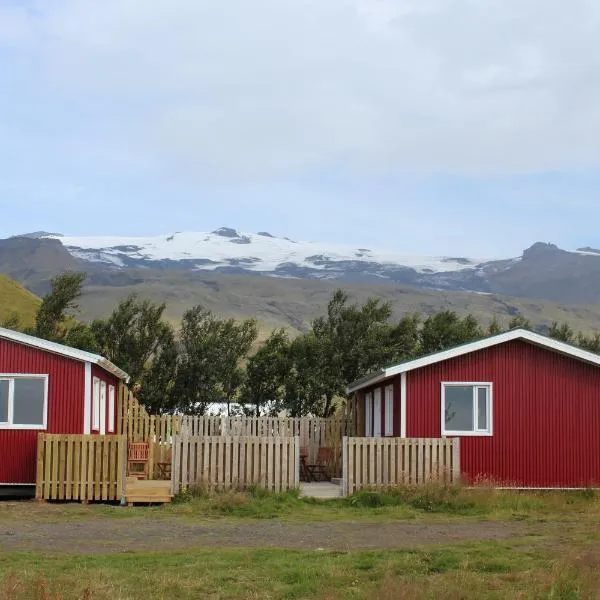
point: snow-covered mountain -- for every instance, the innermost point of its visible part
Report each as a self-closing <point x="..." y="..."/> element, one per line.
<point x="543" y="271"/>
<point x="227" y="250"/>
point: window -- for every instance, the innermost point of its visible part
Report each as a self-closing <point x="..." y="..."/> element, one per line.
<point x="377" y="413"/>
<point x="389" y="410"/>
<point x="466" y="409"/>
<point x="23" y="401"/>
<point x="111" y="408"/>
<point x="368" y="414"/>
<point x="96" y="404"/>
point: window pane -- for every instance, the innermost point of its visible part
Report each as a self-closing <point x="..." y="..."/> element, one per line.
<point x="4" y="385"/>
<point x="459" y="408"/>
<point x="29" y="402"/>
<point x="482" y="408"/>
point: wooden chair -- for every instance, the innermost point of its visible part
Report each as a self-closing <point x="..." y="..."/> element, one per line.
<point x="321" y="470"/>
<point x="163" y="467"/>
<point x="138" y="453"/>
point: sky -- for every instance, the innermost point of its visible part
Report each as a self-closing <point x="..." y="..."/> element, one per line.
<point x="454" y="127"/>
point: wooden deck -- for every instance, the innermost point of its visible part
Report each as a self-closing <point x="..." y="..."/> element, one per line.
<point x="154" y="491"/>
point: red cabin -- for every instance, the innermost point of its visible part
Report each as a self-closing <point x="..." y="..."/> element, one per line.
<point x="52" y="388"/>
<point x="526" y="408"/>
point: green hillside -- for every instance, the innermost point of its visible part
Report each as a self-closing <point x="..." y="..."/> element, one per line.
<point x="15" y="299"/>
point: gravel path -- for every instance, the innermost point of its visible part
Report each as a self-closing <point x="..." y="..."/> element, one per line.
<point x="105" y="534"/>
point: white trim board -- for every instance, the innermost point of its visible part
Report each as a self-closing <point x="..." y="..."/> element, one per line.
<point x="34" y="342"/>
<point x="516" y="334"/>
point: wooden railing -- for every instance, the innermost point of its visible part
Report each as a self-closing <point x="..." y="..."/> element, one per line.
<point x="227" y="462"/>
<point x="80" y="467"/>
<point x="383" y="462"/>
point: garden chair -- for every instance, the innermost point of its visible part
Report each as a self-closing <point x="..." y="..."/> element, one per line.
<point x="321" y="470"/>
<point x="138" y="453"/>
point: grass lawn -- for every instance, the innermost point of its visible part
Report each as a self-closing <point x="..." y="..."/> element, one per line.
<point x="556" y="554"/>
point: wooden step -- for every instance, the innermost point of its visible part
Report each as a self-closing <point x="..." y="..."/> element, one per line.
<point x="156" y="491"/>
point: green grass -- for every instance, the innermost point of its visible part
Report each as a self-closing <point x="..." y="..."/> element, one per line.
<point x="16" y="300"/>
<point x="483" y="570"/>
<point x="556" y="555"/>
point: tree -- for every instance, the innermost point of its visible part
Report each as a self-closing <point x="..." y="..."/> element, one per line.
<point x="12" y="321"/>
<point x="267" y="371"/>
<point x="211" y="352"/>
<point x="136" y="338"/>
<point x="590" y="343"/>
<point x="446" y="329"/>
<point x="494" y="327"/>
<point x="561" y="332"/>
<point x="52" y="319"/>
<point x="520" y="322"/>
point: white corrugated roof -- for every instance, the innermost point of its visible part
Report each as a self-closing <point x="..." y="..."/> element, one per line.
<point x="74" y="353"/>
<point x="515" y="334"/>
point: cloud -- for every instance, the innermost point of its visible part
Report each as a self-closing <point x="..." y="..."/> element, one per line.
<point x="268" y="88"/>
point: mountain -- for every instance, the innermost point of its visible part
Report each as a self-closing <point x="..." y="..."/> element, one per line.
<point x="35" y="260"/>
<point x="283" y="282"/>
<point x="16" y="300"/>
<point x="542" y="271"/>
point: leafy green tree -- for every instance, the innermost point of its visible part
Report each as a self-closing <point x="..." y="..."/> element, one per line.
<point x="56" y="306"/>
<point x="494" y="327"/>
<point x="137" y="339"/>
<point x="267" y="372"/>
<point x="211" y="352"/>
<point x="562" y="333"/>
<point x="590" y="343"/>
<point x="12" y="321"/>
<point x="312" y="383"/>
<point x="446" y="330"/>
<point x="520" y="322"/>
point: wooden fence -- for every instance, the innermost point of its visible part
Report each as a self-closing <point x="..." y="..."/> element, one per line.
<point x="382" y="462"/>
<point x="137" y="425"/>
<point x="227" y="462"/>
<point x="80" y="467"/>
<point x="313" y="432"/>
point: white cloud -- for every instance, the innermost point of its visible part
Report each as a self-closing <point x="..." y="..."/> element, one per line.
<point x="272" y="87"/>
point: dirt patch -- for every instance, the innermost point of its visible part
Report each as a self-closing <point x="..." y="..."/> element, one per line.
<point x="105" y="534"/>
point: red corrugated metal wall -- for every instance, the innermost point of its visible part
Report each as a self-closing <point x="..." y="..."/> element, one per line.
<point x="109" y="380"/>
<point x="65" y="406"/>
<point x="546" y="415"/>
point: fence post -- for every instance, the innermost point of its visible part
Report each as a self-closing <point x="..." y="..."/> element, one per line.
<point x="455" y="460"/>
<point x="345" y="466"/>
<point x="297" y="462"/>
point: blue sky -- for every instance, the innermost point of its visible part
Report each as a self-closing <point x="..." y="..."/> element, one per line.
<point x="431" y="126"/>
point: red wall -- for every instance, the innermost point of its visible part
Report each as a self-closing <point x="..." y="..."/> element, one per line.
<point x="65" y="406"/>
<point x="546" y="415"/>
<point x="109" y="380"/>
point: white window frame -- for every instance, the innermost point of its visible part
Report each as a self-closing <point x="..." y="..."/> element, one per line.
<point x="11" y="400"/>
<point x="488" y="432"/>
<point x="369" y="414"/>
<point x="95" y="404"/>
<point x="111" y="408"/>
<point x="389" y="411"/>
<point x="377" y="412"/>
